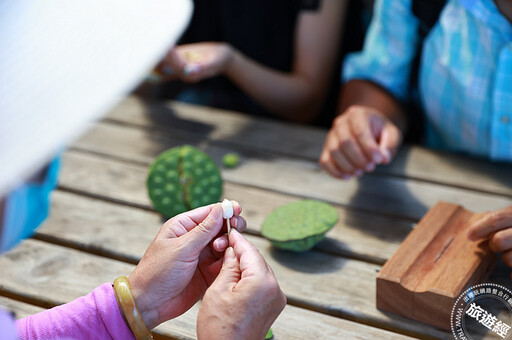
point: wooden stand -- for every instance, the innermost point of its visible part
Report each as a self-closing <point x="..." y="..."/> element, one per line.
<point x="433" y="266"/>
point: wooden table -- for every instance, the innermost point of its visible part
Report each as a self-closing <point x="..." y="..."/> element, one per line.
<point x="102" y="220"/>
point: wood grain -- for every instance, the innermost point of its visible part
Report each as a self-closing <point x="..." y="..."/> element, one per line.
<point x="350" y="292"/>
<point x="232" y="128"/>
<point x="426" y="275"/>
<point x="124" y="232"/>
<point x="391" y="195"/>
<point x="56" y="274"/>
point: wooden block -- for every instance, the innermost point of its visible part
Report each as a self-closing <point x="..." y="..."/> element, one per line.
<point x="433" y="266"/>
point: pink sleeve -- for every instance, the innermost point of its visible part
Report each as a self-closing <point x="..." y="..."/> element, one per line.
<point x="94" y="316"/>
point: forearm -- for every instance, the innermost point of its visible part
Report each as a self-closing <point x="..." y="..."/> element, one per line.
<point x="365" y="93"/>
<point x="291" y="96"/>
<point x="94" y="316"/>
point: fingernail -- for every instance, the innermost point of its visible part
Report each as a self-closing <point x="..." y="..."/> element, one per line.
<point x="229" y="255"/>
<point x="370" y="167"/>
<point x="153" y="77"/>
<point x="167" y="70"/>
<point x="234" y="222"/>
<point x="358" y="173"/>
<point x="191" y="69"/>
<point x="221" y="242"/>
<point x="387" y="156"/>
<point x="377" y="158"/>
<point x="346" y="176"/>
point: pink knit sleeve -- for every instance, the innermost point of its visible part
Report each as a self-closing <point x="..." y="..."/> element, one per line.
<point x="94" y="316"/>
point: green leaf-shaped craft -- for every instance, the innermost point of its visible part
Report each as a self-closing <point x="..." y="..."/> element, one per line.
<point x="181" y="179"/>
<point x="300" y="225"/>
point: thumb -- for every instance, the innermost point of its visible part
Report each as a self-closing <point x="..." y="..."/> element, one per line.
<point x="204" y="232"/>
<point x="390" y="140"/>
<point x="230" y="273"/>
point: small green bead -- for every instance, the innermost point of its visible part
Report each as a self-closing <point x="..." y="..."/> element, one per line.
<point x="231" y="160"/>
<point x="270" y="334"/>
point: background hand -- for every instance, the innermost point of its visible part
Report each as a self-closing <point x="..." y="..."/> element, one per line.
<point x="194" y="62"/>
<point x="181" y="262"/>
<point x="245" y="298"/>
<point x="497" y="227"/>
<point x="359" y="140"/>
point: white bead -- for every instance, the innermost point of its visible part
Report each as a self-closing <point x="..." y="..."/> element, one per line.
<point x="227" y="209"/>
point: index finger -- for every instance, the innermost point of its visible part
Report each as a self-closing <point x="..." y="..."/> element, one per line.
<point x="190" y="219"/>
<point x="251" y="261"/>
<point x="483" y="225"/>
<point x="360" y="125"/>
<point x="172" y="61"/>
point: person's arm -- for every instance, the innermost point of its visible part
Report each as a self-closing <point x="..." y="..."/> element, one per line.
<point x="358" y="92"/>
<point x="368" y="130"/>
<point x="178" y="266"/>
<point x="296" y="96"/>
<point x="94" y="316"/>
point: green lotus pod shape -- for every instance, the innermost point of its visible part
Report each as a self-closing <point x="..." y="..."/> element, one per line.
<point x="298" y="226"/>
<point x="181" y="179"/>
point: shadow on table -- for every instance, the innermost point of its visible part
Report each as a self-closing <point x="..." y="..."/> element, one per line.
<point x="307" y="262"/>
<point x="199" y="134"/>
<point x="388" y="197"/>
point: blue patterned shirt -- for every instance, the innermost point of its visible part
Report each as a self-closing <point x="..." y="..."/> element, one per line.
<point x="465" y="75"/>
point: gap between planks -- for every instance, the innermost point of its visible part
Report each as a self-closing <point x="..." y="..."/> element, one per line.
<point x="129" y="161"/>
<point x="133" y="260"/>
<point x="52" y="299"/>
<point x="97" y="251"/>
<point x="111" y="140"/>
<point x="390" y="171"/>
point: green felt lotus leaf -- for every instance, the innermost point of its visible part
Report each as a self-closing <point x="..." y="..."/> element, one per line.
<point x="298" y="226"/>
<point x="181" y="179"/>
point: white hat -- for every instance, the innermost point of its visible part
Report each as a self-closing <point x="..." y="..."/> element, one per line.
<point x="64" y="63"/>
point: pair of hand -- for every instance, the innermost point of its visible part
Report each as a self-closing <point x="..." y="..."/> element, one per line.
<point x="190" y="257"/>
<point x="360" y="139"/>
<point x="194" y="62"/>
<point x="496" y="226"/>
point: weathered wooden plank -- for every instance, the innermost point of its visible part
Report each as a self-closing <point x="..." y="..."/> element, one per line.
<point x="200" y="122"/>
<point x="234" y="128"/>
<point x="56" y="274"/>
<point x="20" y="309"/>
<point x="360" y="235"/>
<point x="301" y="277"/>
<point x="403" y="197"/>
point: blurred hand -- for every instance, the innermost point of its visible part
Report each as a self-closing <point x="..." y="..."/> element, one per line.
<point x="359" y="140"/>
<point x="245" y="298"/>
<point x="181" y="262"/>
<point x="496" y="226"/>
<point x="194" y="62"/>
